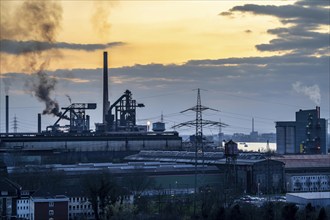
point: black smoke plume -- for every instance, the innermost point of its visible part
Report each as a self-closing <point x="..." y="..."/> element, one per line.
<point x="35" y="21"/>
<point x="42" y="88"/>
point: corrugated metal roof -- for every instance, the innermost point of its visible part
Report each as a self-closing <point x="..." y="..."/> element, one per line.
<point x="305" y="161"/>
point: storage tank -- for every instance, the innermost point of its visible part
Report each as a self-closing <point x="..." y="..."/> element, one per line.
<point x="158" y="127"/>
<point x="231" y="148"/>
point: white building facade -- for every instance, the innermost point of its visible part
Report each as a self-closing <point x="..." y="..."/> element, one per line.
<point x="80" y="207"/>
<point x="23" y="208"/>
<point x="309" y="183"/>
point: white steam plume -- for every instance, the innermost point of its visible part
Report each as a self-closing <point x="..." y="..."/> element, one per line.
<point x="313" y="92"/>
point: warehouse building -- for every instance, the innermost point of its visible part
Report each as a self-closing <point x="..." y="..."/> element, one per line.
<point x="249" y="172"/>
<point x="306" y="173"/>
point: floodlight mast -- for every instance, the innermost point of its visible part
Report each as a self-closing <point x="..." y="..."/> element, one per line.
<point x="198" y="123"/>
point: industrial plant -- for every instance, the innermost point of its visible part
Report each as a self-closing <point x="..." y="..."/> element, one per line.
<point x="118" y="135"/>
<point x="52" y="165"/>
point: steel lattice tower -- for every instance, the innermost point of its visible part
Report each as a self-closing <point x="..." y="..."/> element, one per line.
<point x="198" y="123"/>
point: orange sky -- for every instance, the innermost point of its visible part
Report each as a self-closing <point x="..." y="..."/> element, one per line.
<point x="154" y="32"/>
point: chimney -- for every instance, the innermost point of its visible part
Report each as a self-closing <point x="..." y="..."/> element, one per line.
<point x="318" y="112"/>
<point x="7" y="114"/>
<point x="87" y="122"/>
<point x="105" y="86"/>
<point x="39" y="123"/>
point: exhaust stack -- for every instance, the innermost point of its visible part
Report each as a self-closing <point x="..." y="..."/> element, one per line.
<point x="105" y="86"/>
<point x="7" y="114"/>
<point x="39" y="123"/>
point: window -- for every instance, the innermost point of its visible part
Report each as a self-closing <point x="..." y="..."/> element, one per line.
<point x="25" y="193"/>
<point x="51" y="212"/>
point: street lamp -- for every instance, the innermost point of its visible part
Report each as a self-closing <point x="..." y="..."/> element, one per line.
<point x="148" y="125"/>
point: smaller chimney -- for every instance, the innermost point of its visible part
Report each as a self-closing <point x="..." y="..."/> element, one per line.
<point x="39" y="123"/>
<point x="318" y="112"/>
<point x="87" y="122"/>
<point x="7" y="114"/>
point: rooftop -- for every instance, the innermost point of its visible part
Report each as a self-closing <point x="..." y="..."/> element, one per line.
<point x="305" y="161"/>
<point x="311" y="195"/>
<point x="189" y="157"/>
<point x="112" y="167"/>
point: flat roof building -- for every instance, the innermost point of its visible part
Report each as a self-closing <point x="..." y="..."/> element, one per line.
<point x="306" y="173"/>
<point x="318" y="199"/>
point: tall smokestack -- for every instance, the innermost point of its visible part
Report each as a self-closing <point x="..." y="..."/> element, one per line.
<point x="39" y="123"/>
<point x="105" y="86"/>
<point x="7" y="114"/>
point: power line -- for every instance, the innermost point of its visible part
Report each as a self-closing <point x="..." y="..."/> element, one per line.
<point x="198" y="123"/>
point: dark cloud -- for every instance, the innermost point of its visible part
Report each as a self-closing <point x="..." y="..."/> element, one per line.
<point x="305" y="19"/>
<point x="317" y="3"/>
<point x="275" y="73"/>
<point x="22" y="47"/>
<point x="285" y="59"/>
<point x="226" y="13"/>
<point x="288" y="13"/>
<point x="309" y="43"/>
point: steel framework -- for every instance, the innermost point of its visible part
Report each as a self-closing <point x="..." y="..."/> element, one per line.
<point x="122" y="113"/>
<point x="199" y="123"/>
<point x="79" y="121"/>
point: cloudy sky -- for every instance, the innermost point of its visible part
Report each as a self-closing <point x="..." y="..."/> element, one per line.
<point x="251" y="59"/>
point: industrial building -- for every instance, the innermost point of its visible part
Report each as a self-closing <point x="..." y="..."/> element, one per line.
<point x="316" y="199"/>
<point x="251" y="173"/>
<point x="306" y="135"/>
<point x="306" y="173"/>
<point x="292" y="173"/>
<point x="117" y="136"/>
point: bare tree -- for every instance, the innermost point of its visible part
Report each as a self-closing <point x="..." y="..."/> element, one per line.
<point x="298" y="184"/>
<point x="138" y="182"/>
<point x="103" y="192"/>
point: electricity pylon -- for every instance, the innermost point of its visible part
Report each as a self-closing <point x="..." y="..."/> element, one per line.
<point x="199" y="123"/>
